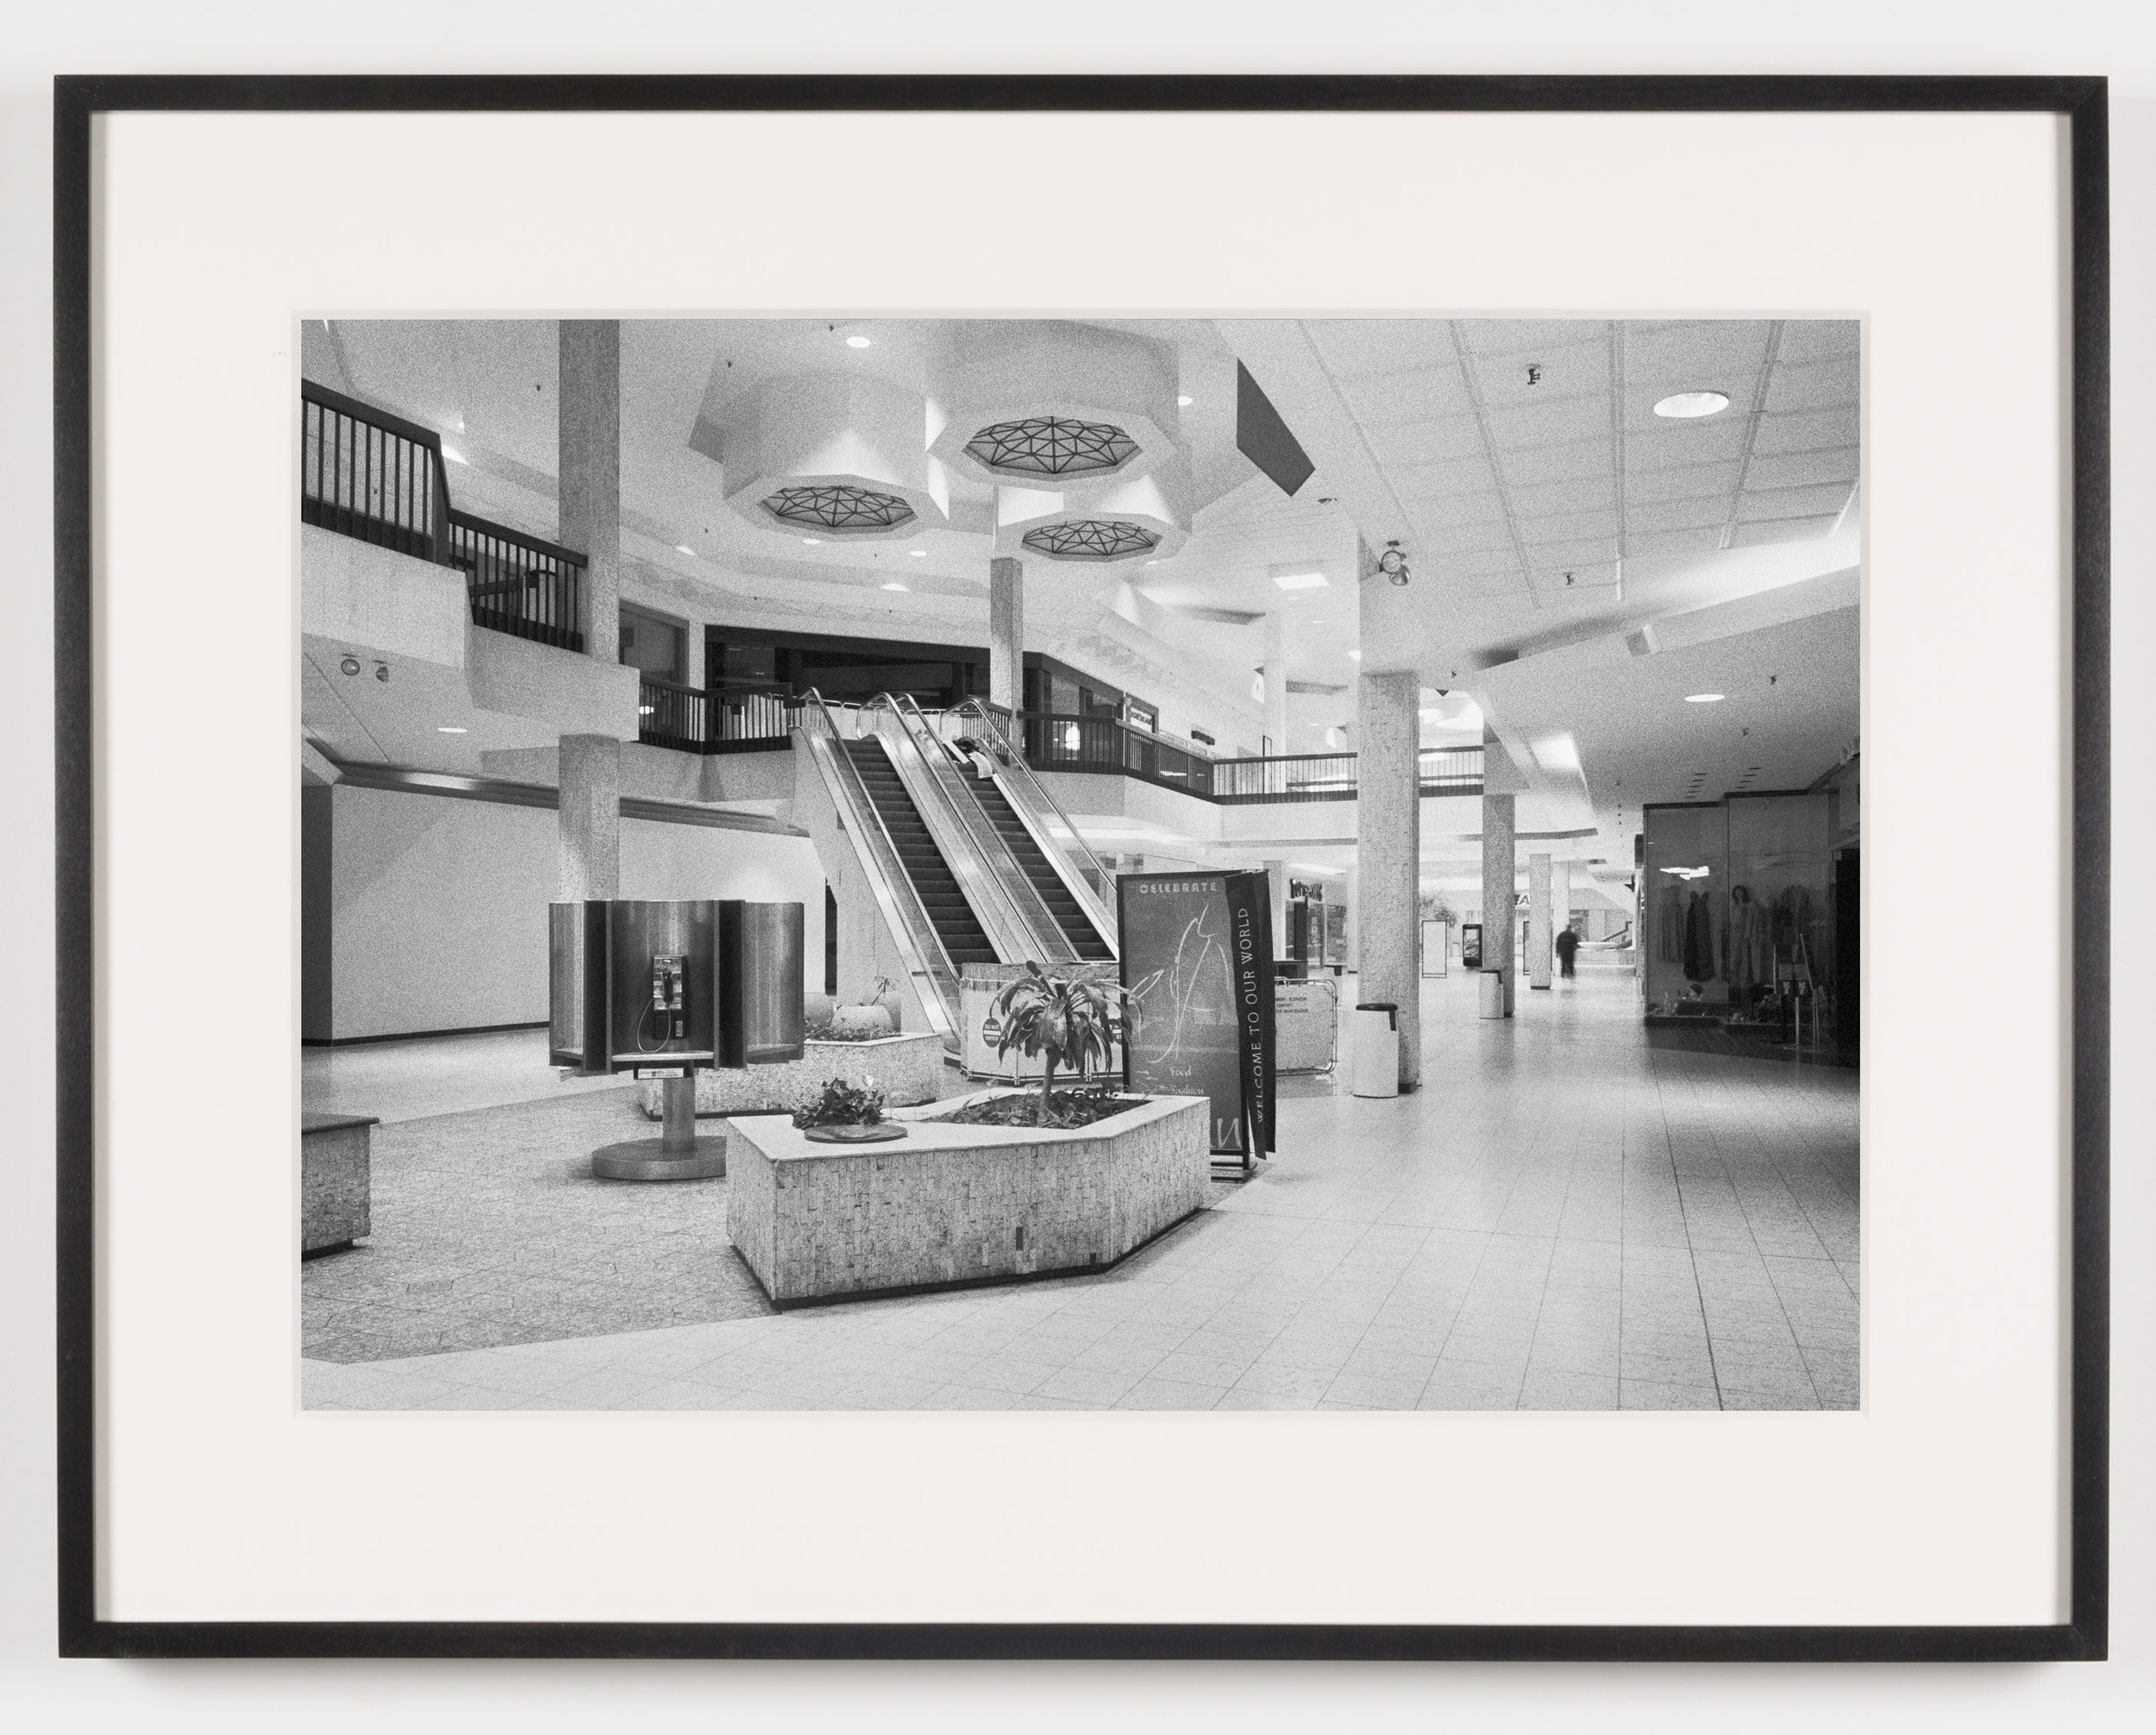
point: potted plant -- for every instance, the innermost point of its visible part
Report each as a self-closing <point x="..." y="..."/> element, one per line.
<point x="870" y="1018"/>
<point x="1071" y="1022"/>
<point x="846" y="1114"/>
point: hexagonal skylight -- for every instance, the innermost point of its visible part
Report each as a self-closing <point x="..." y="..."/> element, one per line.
<point x="1051" y="446"/>
<point x="1091" y="538"/>
<point x="836" y="506"/>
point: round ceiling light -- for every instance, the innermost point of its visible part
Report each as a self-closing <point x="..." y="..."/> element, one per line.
<point x="1051" y="446"/>
<point x="1703" y="697"/>
<point x="836" y="506"/>
<point x="1688" y="405"/>
<point x="857" y="342"/>
<point x="1091" y="538"/>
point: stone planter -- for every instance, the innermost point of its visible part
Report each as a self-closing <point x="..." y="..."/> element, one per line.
<point x="949" y="1204"/>
<point x="907" y="1068"/>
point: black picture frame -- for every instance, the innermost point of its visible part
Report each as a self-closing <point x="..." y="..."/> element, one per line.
<point x="2082" y="101"/>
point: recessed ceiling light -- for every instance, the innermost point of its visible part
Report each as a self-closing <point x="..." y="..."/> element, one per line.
<point x="450" y="729"/>
<point x="1299" y="582"/>
<point x="1184" y="402"/>
<point x="1703" y="697"/>
<point x="895" y="585"/>
<point x="684" y="548"/>
<point x="455" y="456"/>
<point x="919" y="553"/>
<point x="1685" y="405"/>
<point x="1355" y="656"/>
<point x="813" y="542"/>
<point x="857" y="342"/>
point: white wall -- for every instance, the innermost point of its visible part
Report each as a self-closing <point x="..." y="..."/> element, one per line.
<point x="438" y="905"/>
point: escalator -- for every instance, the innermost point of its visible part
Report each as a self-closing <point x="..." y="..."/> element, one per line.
<point x="964" y="942"/>
<point x="1085" y="943"/>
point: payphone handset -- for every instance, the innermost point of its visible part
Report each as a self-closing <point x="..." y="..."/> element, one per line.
<point x="669" y="994"/>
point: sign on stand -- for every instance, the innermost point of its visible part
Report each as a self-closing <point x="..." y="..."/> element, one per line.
<point x="1197" y="955"/>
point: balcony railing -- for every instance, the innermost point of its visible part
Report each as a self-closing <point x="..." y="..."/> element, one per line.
<point x="1104" y="746"/>
<point x="366" y="473"/>
<point x="518" y="584"/>
<point x="691" y="719"/>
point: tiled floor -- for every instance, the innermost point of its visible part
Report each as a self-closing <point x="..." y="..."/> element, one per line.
<point x="418" y="1076"/>
<point x="1563" y="1218"/>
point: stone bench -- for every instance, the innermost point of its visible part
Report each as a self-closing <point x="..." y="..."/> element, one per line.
<point x="950" y="1204"/>
<point x="337" y="1188"/>
<point x="907" y="1068"/>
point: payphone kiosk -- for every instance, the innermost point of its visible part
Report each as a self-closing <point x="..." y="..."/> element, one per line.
<point x="659" y="989"/>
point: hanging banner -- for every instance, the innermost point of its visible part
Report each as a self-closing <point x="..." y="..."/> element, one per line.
<point x="1197" y="955"/>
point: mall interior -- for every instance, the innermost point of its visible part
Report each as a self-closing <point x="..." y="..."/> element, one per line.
<point x="803" y="682"/>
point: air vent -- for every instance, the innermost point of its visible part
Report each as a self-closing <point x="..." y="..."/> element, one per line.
<point x="1051" y="446"/>
<point x="837" y="507"/>
<point x="1091" y="538"/>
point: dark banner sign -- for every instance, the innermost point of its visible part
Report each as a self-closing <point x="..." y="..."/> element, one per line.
<point x="1197" y="955"/>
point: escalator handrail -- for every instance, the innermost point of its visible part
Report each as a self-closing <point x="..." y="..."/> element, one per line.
<point x="1043" y="939"/>
<point x="1078" y="853"/>
<point x="907" y="919"/>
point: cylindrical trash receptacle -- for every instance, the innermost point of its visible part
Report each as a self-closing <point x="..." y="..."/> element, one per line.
<point x="1377" y="1049"/>
<point x="1493" y="991"/>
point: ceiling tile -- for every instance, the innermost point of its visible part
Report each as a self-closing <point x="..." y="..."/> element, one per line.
<point x="1565" y="527"/>
<point x="1596" y="457"/>
<point x="1469" y="474"/>
<point x="1654" y="544"/>
<point x="1668" y="443"/>
<point x="1547" y="499"/>
<point x="1813" y="385"/>
<point x="1757" y="503"/>
<point x="1572" y="576"/>
<point x="1806" y="431"/>
<point x="1496" y="536"/>
<point x="1690" y="482"/>
<point x="1713" y="355"/>
<point x="1651" y="517"/>
<point x="1575" y="369"/>
<point x="1559" y="557"/>
<point x="1803" y="469"/>
<point x="1516" y="336"/>
<point x="1416" y="442"/>
<point x="1376" y="346"/>
<point x="1385" y="400"/>
<point x="1817" y="339"/>
<point x="1781" y="530"/>
<point x="1456" y="508"/>
<point x="1562" y="422"/>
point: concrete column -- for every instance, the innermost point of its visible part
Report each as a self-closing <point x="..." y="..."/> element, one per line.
<point x="590" y="820"/>
<point x="588" y="498"/>
<point x="1276" y="872"/>
<point x="1541" y="937"/>
<point x="1007" y="632"/>
<point x="1276" y="680"/>
<point x="1497" y="888"/>
<point x="1388" y="854"/>
<point x="1560" y="897"/>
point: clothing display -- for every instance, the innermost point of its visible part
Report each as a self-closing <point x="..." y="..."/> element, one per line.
<point x="1669" y="923"/>
<point x="1699" y="939"/>
<point x="1747" y="960"/>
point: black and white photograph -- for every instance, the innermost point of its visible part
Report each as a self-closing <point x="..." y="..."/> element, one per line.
<point x="875" y="863"/>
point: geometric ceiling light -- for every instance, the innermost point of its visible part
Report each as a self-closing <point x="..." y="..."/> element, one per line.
<point x="1048" y="401"/>
<point x="1051" y="446"/>
<point x="836" y="506"/>
<point x="1091" y="538"/>
<point x="840" y="456"/>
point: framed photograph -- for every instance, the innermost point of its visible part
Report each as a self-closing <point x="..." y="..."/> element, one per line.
<point x="753" y="773"/>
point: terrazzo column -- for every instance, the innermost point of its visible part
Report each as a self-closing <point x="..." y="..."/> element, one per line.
<point x="1007" y="632"/>
<point x="1560" y="898"/>
<point x="1497" y="889"/>
<point x="589" y="824"/>
<point x="588" y="496"/>
<point x="1276" y="874"/>
<point x="1541" y="942"/>
<point x="1388" y="854"/>
<point x="1275" y="678"/>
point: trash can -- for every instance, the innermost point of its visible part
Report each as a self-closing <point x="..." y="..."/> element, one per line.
<point x="1377" y="1049"/>
<point x="1493" y="991"/>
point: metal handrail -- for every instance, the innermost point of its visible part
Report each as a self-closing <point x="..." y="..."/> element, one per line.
<point x="935" y="977"/>
<point x="1046" y="941"/>
<point x="1030" y="799"/>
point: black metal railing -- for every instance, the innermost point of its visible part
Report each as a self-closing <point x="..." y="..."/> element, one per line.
<point x="366" y="473"/>
<point x="671" y="715"/>
<point x="518" y="584"/>
<point x="1104" y="746"/>
<point x="750" y="719"/>
<point x="693" y="719"/>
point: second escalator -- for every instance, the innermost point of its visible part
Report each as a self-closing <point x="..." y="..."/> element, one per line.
<point x="934" y="883"/>
<point x="1084" y="941"/>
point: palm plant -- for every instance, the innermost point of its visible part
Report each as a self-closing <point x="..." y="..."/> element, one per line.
<point x="1069" y="1021"/>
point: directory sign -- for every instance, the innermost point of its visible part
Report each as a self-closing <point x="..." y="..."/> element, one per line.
<point x="1197" y="955"/>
